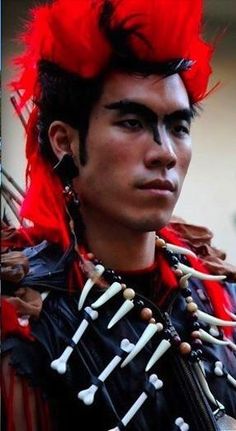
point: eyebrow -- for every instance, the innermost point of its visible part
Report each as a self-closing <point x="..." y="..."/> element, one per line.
<point x="131" y="107"/>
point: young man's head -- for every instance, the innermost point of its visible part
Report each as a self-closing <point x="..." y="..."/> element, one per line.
<point x="115" y="86"/>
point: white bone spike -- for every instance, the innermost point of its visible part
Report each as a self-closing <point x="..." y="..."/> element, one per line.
<point x="207" y="318"/>
<point x="214" y="331"/>
<point x="147" y="334"/>
<point x="121" y="312"/>
<point x="232" y="315"/>
<point x="60" y="364"/>
<point x="183" y="282"/>
<point x="209" y="339"/>
<point x="230" y="344"/>
<point x="205" y="387"/>
<point x="218" y="369"/>
<point x="87" y="395"/>
<point x="201" y="275"/>
<point x="160" y="350"/>
<point x="108" y="294"/>
<point x="99" y="269"/>
<point x="201" y="365"/>
<point x="180" y="250"/>
<point x="157" y="383"/>
<point x="231" y="380"/>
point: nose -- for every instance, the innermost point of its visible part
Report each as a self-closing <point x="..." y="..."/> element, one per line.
<point x="161" y="153"/>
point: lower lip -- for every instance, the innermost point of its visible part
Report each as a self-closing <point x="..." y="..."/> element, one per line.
<point x="158" y="192"/>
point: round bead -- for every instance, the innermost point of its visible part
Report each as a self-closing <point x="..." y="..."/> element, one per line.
<point x="129" y="294"/>
<point x="152" y="320"/>
<point x="195" y="334"/>
<point x="159" y="327"/>
<point x="123" y="285"/>
<point x="160" y="242"/>
<point x="192" y="307"/>
<point x="196" y="325"/>
<point x="189" y="299"/>
<point x="178" y="272"/>
<point x="186" y="292"/>
<point x="146" y="313"/>
<point x="176" y="340"/>
<point x="197" y="342"/>
<point x="184" y="348"/>
<point x="90" y="256"/>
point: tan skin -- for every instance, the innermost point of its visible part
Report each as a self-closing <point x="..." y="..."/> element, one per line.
<point x="127" y="151"/>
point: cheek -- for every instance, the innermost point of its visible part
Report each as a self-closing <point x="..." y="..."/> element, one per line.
<point x="185" y="159"/>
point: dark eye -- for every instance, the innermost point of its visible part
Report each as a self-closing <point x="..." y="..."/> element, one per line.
<point x="181" y="129"/>
<point x="131" y="124"/>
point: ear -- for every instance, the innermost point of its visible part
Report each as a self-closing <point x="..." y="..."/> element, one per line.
<point x="62" y="138"/>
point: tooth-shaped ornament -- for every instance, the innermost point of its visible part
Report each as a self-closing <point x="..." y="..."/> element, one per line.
<point x="108" y="294"/>
<point x="157" y="383"/>
<point x="201" y="275"/>
<point x="180" y="250"/>
<point x="232" y="315"/>
<point x="205" y="387"/>
<point x="207" y="318"/>
<point x="99" y="269"/>
<point x="121" y="312"/>
<point x="147" y="334"/>
<point x="60" y="364"/>
<point x="159" y="352"/>
<point x="183" y="282"/>
<point x="87" y="395"/>
<point x="204" y="336"/>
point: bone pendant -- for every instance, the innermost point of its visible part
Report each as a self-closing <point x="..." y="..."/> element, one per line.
<point x="148" y="333"/>
<point x="99" y="269"/>
<point x="108" y="294"/>
<point x="209" y="339"/>
<point x="180" y="250"/>
<point x="159" y="352"/>
<point x="207" y="318"/>
<point x="60" y="364"/>
<point x="201" y="275"/>
<point x="205" y="387"/>
<point x="87" y="395"/>
<point x="232" y="315"/>
<point x="121" y="312"/>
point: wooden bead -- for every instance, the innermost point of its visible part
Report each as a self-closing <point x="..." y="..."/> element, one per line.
<point x="184" y="348"/>
<point x="90" y="256"/>
<point x="129" y="293"/>
<point x="192" y="307"/>
<point x="195" y="334"/>
<point x="178" y="272"/>
<point x="152" y="320"/>
<point x="160" y="242"/>
<point x="159" y="327"/>
<point x="146" y="313"/>
<point x="123" y="285"/>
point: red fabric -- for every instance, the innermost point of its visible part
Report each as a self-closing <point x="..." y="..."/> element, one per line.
<point x="10" y="324"/>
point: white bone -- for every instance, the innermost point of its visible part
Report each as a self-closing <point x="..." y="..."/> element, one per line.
<point x="202" y="294"/>
<point x="184" y="427"/>
<point x="160" y="350"/>
<point x="205" y="387"/>
<point x="60" y="364"/>
<point x="121" y="312"/>
<point x="99" y="269"/>
<point x="231" y="380"/>
<point x="201" y="275"/>
<point x="212" y="320"/>
<point x="209" y="339"/>
<point x="87" y="395"/>
<point x="232" y="315"/>
<point x="108" y="294"/>
<point x="214" y="331"/>
<point x="218" y="370"/>
<point x="44" y="295"/>
<point x="147" y="334"/>
<point x="180" y="250"/>
<point x="179" y="421"/>
<point x="230" y="344"/>
<point x="157" y="383"/>
<point x="202" y="367"/>
<point x="183" y="282"/>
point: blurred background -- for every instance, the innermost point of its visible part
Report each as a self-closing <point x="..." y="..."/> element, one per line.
<point x="209" y="193"/>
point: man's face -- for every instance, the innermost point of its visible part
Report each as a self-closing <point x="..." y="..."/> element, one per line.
<point x="139" y="149"/>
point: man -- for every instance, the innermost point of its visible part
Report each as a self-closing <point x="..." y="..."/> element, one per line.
<point x="125" y="338"/>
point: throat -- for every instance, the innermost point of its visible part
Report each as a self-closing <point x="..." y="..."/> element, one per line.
<point x="127" y="252"/>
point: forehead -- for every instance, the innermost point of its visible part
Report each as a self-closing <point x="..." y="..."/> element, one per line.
<point x="162" y="94"/>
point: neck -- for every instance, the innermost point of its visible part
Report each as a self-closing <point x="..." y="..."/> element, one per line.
<point x="119" y="248"/>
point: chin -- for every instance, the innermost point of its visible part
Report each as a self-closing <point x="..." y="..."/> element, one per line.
<point x="150" y="224"/>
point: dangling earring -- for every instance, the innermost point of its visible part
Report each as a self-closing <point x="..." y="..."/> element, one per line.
<point x="67" y="170"/>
